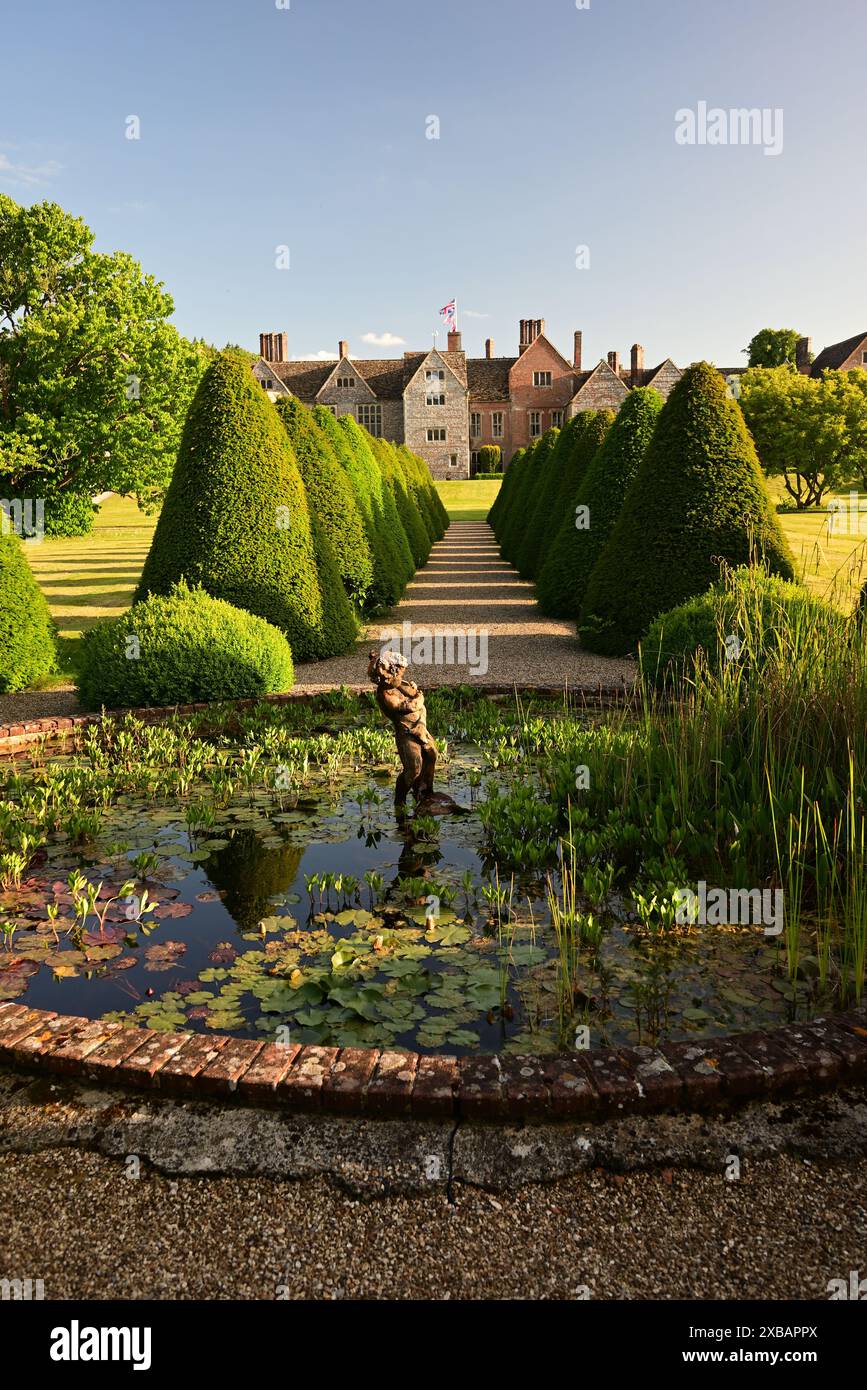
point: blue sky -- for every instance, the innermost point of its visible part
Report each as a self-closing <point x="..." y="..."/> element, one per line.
<point x="306" y="127"/>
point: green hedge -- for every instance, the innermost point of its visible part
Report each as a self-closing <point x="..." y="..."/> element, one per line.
<point x="526" y="495"/>
<point x="236" y="519"/>
<point x="501" y="502"/>
<point x="698" y="498"/>
<point x="601" y="491"/>
<point x="331" y="498"/>
<point x="27" y="649"/>
<point x="738" y="623"/>
<point x="181" y="648"/>
<point x="490" y="459"/>
<point x="365" y="478"/>
<point x="416" y="531"/>
<point x="541" y="521"/>
<point x="384" y="505"/>
<point x="552" y="583"/>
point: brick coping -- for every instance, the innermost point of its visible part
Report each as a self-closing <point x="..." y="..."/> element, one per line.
<point x="681" y="1076"/>
<point x="15" y="736"/>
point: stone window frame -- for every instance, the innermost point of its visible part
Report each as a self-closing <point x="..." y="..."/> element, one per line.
<point x="534" y="424"/>
<point x="556" y="419"/>
<point x="497" y="424"/>
<point x="345" y="383"/>
<point x="370" y="410"/>
<point x="475" y="424"/>
<point x="539" y="383"/>
<point x="438" y="434"/>
<point x="435" y="398"/>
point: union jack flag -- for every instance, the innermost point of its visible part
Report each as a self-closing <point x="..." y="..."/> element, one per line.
<point x="450" y="314"/>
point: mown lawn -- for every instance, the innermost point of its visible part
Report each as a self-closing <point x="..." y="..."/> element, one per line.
<point x="94" y="578"/>
<point x="470" y="500"/>
<point x="91" y="578"/>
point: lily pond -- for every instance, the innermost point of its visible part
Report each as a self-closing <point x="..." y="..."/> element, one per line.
<point x="245" y="872"/>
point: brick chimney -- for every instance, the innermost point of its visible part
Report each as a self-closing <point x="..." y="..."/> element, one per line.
<point x="576" y="355"/>
<point x="531" y="329"/>
<point x="274" y="347"/>
<point x="803" y="353"/>
<point x="637" y="363"/>
<point x="455" y="341"/>
<point x="342" y="349"/>
<point x="489" y="349"/>
<point x="614" y="362"/>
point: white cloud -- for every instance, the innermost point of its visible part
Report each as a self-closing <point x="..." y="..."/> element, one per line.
<point x="471" y="314"/>
<point x="320" y="356"/>
<point x="27" y="174"/>
<point x="383" y="339"/>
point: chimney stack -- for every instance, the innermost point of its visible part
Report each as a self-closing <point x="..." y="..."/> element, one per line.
<point x="614" y="362"/>
<point x="531" y="329"/>
<point x="455" y="341"/>
<point x="637" y="363"/>
<point x="489" y="349"/>
<point x="343" y="349"/>
<point x="274" y="347"/>
<point x="803" y="353"/>
<point x="576" y="356"/>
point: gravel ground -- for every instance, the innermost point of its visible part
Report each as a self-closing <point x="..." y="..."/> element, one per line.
<point x="783" y="1231"/>
<point x="466" y="586"/>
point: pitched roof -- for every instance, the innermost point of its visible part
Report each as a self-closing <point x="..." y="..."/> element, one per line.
<point x="835" y="355"/>
<point x="488" y="377"/>
<point x="455" y="361"/>
<point x="383" y="375"/>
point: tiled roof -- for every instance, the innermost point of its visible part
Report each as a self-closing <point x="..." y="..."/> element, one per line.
<point x="383" y="375"/>
<point x="488" y="377"/>
<point x="835" y="355"/>
<point x="303" y="379"/>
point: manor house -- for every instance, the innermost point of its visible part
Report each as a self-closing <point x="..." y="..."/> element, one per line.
<point x="445" y="405"/>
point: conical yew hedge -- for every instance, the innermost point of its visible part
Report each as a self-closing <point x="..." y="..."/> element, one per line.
<point x="596" y="502"/>
<point x="698" y="497"/>
<point x="552" y="583"/>
<point x="236" y="521"/>
<point x="331" y="498"/>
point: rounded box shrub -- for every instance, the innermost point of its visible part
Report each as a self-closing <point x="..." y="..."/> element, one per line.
<point x="179" y="649"/>
<point x="27" y="650"/>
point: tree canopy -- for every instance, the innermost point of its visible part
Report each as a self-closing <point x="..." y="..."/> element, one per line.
<point x="95" y="382"/>
<point x="773" y="347"/>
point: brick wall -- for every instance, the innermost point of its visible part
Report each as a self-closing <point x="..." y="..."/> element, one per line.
<point x="540" y="356"/>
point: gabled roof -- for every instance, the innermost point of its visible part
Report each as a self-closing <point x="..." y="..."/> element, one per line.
<point x="582" y="378"/>
<point x="835" y="355"/>
<point x="305" y="380"/>
<point x="414" y="361"/>
<point x="264" y="371"/>
<point x="488" y="377"/>
<point x="543" y="338"/>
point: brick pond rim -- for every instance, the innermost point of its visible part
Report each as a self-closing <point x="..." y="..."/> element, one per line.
<point x="611" y="1082"/>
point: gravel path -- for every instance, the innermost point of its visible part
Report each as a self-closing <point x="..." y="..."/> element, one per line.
<point x="466" y="588"/>
<point x="783" y="1231"/>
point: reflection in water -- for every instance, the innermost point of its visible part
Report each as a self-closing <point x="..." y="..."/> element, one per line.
<point x="250" y="874"/>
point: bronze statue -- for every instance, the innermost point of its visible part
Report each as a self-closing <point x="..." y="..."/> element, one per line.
<point x="402" y="703"/>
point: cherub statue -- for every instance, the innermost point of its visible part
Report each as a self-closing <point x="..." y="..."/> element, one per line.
<point x="402" y="703"/>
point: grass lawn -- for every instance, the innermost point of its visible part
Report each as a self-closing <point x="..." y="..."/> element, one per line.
<point x="470" y="500"/>
<point x="93" y="578"/>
